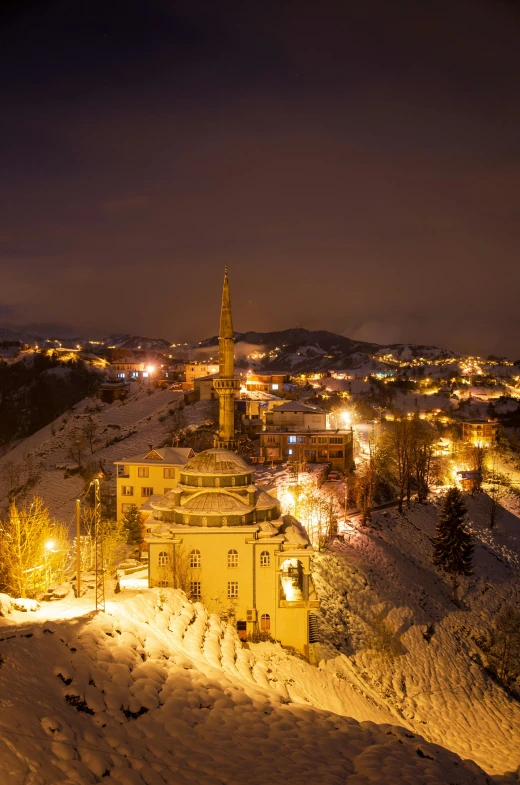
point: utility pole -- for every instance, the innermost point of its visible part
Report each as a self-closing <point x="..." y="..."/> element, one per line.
<point x="78" y="548"/>
<point x="98" y="537"/>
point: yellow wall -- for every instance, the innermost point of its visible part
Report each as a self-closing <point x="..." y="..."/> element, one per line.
<point x="155" y="480"/>
<point x="258" y="586"/>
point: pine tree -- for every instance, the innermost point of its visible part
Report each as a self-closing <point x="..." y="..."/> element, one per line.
<point x="132" y="525"/>
<point x="453" y="547"/>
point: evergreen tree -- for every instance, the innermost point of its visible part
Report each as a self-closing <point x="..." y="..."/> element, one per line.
<point x="453" y="547"/>
<point x="132" y="525"/>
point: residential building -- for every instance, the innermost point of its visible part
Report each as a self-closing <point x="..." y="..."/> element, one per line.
<point x="295" y="416"/>
<point x="272" y="383"/>
<point x="196" y="370"/>
<point x="314" y="446"/>
<point x="128" y="369"/>
<point x="152" y="474"/>
<point x="222" y="538"/>
<point x="481" y="432"/>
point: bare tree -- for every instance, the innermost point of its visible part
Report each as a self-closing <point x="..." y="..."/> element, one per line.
<point x="90" y="431"/>
<point x="398" y="440"/>
<point x="34" y="549"/>
<point x="421" y="456"/>
<point x="504" y="648"/>
<point x="478" y="455"/>
<point x="77" y="446"/>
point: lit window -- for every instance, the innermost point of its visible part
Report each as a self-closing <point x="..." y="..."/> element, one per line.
<point x="127" y="490"/>
<point x="163" y="559"/>
<point x="126" y="507"/>
<point x="195" y="559"/>
<point x="232" y="590"/>
<point x="195" y="593"/>
<point x="265" y="622"/>
<point x="290" y="451"/>
<point x="146" y="491"/>
<point x="291" y="440"/>
<point x="169" y="474"/>
<point x="232" y="558"/>
<point x="143" y="471"/>
<point x="265" y="559"/>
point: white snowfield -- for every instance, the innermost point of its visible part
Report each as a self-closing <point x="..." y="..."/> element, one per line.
<point x="156" y="691"/>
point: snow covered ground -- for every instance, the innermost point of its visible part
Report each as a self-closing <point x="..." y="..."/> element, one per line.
<point x="156" y="691"/>
<point x="136" y="422"/>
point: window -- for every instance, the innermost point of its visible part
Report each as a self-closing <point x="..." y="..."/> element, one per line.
<point x="195" y="592"/>
<point x="163" y="559"/>
<point x="127" y="490"/>
<point x="232" y="559"/>
<point x="232" y="481"/>
<point x="146" y="491"/>
<point x="322" y="440"/>
<point x="274" y="387"/>
<point x="143" y="471"/>
<point x="232" y="590"/>
<point x="301" y="439"/>
<point x="169" y="474"/>
<point x="271" y="439"/>
<point x="336" y="454"/>
<point x="265" y="622"/>
<point x="313" y="440"/>
<point x="336" y="440"/>
<point x="126" y="507"/>
<point x="199" y="482"/>
<point x="291" y="440"/>
<point x="265" y="559"/>
<point x="163" y="583"/>
<point x="224" y="521"/>
<point x="289" y="451"/>
<point x="217" y="482"/>
<point x="204" y="521"/>
<point x="195" y="559"/>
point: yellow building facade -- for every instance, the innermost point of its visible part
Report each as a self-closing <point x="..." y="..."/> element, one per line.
<point x="141" y="477"/>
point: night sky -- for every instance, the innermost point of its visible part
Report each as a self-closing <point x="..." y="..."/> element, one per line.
<point x="356" y="164"/>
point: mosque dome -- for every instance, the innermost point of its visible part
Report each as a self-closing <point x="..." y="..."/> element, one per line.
<point x="221" y="503"/>
<point x="216" y="461"/>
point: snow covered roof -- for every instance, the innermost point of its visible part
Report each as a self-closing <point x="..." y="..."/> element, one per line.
<point x="176" y="455"/>
<point x="220" y="502"/>
<point x="217" y="461"/>
<point x="295" y="406"/>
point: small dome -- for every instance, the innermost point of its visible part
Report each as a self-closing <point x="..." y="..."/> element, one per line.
<point x="264" y="500"/>
<point x="217" y="461"/>
<point x="220" y="503"/>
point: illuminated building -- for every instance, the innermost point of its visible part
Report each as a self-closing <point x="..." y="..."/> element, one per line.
<point x="222" y="538"/>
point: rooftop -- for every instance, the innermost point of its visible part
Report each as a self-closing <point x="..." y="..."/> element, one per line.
<point x="217" y="461"/>
<point x="178" y="456"/>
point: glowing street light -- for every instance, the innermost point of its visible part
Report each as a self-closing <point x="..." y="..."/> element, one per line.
<point x="49" y="545"/>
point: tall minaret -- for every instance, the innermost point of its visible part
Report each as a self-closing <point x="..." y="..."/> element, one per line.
<point x="226" y="385"/>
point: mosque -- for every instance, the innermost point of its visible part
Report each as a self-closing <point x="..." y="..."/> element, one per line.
<point x="222" y="539"/>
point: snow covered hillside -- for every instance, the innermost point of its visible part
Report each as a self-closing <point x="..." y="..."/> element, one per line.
<point x="155" y="691"/>
<point x="385" y="606"/>
<point x="124" y="428"/>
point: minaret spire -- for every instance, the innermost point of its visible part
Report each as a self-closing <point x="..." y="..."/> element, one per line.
<point x="226" y="385"/>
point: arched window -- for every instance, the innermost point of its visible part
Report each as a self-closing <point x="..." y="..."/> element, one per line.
<point x="265" y="559"/>
<point x="195" y="559"/>
<point x="163" y="559"/>
<point x="232" y="558"/>
<point x="265" y="622"/>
